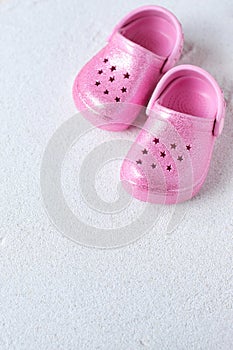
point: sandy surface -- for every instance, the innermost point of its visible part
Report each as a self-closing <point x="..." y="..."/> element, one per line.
<point x="165" y="291"/>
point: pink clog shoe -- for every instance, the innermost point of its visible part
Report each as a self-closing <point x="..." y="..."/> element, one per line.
<point x="142" y="47"/>
<point x="170" y="159"/>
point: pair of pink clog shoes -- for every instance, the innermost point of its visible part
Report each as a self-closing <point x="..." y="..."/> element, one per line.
<point x="170" y="158"/>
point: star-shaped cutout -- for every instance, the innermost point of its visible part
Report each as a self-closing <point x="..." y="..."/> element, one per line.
<point x="100" y="71"/>
<point x="139" y="161"/>
<point x="173" y="146"/>
<point x="188" y="147"/>
<point x="113" y="68"/>
<point x="97" y="83"/>
<point x="126" y="76"/>
<point x="123" y="89"/>
<point x="106" y="92"/>
<point x="162" y="154"/>
<point x="117" y="99"/>
<point x="105" y="60"/>
<point x="180" y="158"/>
<point x="169" y="167"/>
<point x="145" y="151"/>
<point x="156" y="141"/>
<point x="111" y="79"/>
<point x="153" y="166"/>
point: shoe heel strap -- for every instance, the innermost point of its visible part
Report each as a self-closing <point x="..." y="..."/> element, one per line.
<point x="163" y="12"/>
<point x="178" y="71"/>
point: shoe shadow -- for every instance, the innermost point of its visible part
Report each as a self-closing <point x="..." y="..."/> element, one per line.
<point x="193" y="54"/>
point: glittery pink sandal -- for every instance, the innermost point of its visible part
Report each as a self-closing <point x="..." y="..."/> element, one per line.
<point x="170" y="159"/>
<point x="142" y="47"/>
